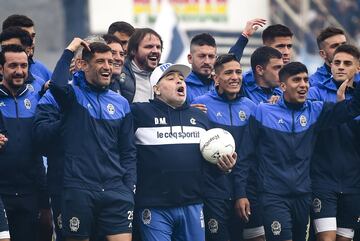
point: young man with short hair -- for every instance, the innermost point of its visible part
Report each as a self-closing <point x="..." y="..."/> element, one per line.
<point x="227" y="109"/>
<point x="335" y="171"/>
<point x="279" y="37"/>
<point x="282" y="137"/>
<point x="266" y="63"/>
<point x="202" y="56"/>
<point x="328" y="40"/>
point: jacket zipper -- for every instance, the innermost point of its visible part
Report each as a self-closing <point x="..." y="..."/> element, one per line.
<point x="98" y="100"/>
<point x="231" y="122"/>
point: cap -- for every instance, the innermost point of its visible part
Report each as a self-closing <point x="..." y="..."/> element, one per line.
<point x="163" y="69"/>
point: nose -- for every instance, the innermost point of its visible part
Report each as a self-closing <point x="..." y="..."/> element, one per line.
<point x="107" y="65"/>
<point x="303" y="83"/>
<point x="341" y="66"/>
<point x="155" y="49"/>
<point x="18" y="70"/>
<point x="236" y="76"/>
<point x="286" y="51"/>
<point x="207" y="59"/>
<point x="116" y="56"/>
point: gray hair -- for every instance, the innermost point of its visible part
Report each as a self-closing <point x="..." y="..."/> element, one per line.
<point x="89" y="39"/>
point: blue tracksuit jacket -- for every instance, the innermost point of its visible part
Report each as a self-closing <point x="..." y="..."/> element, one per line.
<point x="322" y="74"/>
<point x="21" y="165"/>
<point x="197" y="85"/>
<point x="98" y="137"/>
<point x="282" y="136"/>
<point x="335" y="165"/>
<point x="233" y="116"/>
<point x="47" y="131"/>
<point x="254" y="92"/>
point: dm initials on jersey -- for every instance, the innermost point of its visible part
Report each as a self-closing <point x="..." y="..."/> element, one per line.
<point x="160" y="121"/>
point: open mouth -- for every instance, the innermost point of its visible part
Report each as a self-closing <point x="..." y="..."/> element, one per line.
<point x="234" y="84"/>
<point x="181" y="91"/>
<point x="117" y="64"/>
<point x="302" y="92"/>
<point x="153" y="58"/>
<point x="105" y="74"/>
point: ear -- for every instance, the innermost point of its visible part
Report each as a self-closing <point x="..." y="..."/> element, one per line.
<point x="84" y="66"/>
<point x="156" y="90"/>
<point x="322" y="54"/>
<point x="259" y="70"/>
<point x="189" y="57"/>
<point x="283" y="86"/>
<point x="28" y="51"/>
<point x="1" y="71"/>
<point x="216" y="79"/>
<point x="78" y="63"/>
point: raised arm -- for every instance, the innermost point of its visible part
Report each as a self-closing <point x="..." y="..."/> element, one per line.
<point x="62" y="92"/>
<point x="250" y="28"/>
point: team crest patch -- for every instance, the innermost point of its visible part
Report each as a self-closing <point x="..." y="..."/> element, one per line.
<point x="74" y="224"/>
<point x="27" y="104"/>
<point x="193" y="121"/>
<point x="110" y="109"/>
<point x="276" y="228"/>
<point x="30" y="87"/>
<point x="242" y="115"/>
<point x="146" y="216"/>
<point x="317" y="205"/>
<point x="303" y="120"/>
<point x="59" y="221"/>
<point x="213" y="225"/>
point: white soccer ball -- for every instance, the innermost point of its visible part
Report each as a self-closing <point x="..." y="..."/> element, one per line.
<point x="215" y="143"/>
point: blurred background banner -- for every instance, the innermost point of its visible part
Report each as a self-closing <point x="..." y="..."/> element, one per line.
<point x="57" y="22"/>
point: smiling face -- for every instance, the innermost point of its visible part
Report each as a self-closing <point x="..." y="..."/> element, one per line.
<point x="344" y="66"/>
<point x="15" y="70"/>
<point x="229" y="79"/>
<point x="171" y="89"/>
<point x="148" y="54"/>
<point x="118" y="55"/>
<point x="295" y="88"/>
<point x="99" y="69"/>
